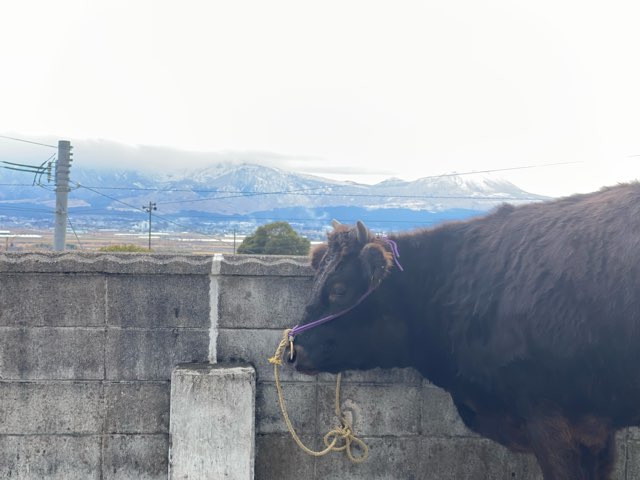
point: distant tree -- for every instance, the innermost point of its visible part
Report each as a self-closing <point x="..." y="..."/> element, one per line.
<point x="277" y="238"/>
<point x="122" y="248"/>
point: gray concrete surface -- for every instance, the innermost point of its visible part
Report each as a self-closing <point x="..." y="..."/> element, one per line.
<point x="212" y="422"/>
<point x="87" y="346"/>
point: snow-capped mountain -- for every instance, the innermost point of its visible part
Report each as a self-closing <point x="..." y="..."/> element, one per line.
<point x="233" y="188"/>
<point x="230" y="189"/>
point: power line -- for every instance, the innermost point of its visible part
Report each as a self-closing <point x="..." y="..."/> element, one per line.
<point x="38" y="171"/>
<point x="49" y="162"/>
<point x="191" y="190"/>
<point x="135" y="208"/>
<point x="20" y="169"/>
<point x="106" y="196"/>
<point x="542" y="165"/>
<point x="28" y="141"/>
<point x="360" y="195"/>
<point x="74" y="232"/>
<point x="274" y="218"/>
<point x="19" y="164"/>
<point x="323" y="194"/>
<point x="83" y="211"/>
<point x="26" y="209"/>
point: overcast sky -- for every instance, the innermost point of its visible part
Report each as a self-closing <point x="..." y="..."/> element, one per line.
<point x="359" y="90"/>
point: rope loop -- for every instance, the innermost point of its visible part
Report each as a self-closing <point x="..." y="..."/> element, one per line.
<point x="339" y="439"/>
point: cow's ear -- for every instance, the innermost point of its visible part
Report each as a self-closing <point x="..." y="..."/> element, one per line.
<point x="362" y="233"/>
<point x="317" y="254"/>
<point x="376" y="262"/>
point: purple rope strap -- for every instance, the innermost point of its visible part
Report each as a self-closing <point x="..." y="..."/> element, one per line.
<point x="308" y="326"/>
<point x="394" y="251"/>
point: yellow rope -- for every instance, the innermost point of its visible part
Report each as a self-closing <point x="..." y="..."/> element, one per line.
<point x="331" y="440"/>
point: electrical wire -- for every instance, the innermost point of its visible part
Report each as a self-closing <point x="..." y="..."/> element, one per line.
<point x="191" y="190"/>
<point x="155" y="215"/>
<point x="105" y="195"/>
<point x="359" y="195"/>
<point x="26" y="209"/>
<point x="80" y="211"/>
<point x="49" y="161"/>
<point x="74" y="232"/>
<point x="38" y="171"/>
<point x="28" y="141"/>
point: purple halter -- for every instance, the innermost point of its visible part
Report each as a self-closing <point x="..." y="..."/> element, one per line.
<point x="308" y="326"/>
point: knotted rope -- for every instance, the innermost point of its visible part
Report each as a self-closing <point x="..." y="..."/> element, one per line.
<point x="332" y="439"/>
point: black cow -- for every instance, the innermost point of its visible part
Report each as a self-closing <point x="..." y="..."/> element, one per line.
<point x="529" y="317"/>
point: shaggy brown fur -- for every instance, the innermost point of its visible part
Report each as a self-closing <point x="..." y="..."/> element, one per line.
<point x="529" y="317"/>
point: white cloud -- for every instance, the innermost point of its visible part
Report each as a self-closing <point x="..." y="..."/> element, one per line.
<point x="358" y="89"/>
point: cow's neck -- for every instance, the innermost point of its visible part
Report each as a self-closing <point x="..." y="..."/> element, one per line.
<point x="427" y="257"/>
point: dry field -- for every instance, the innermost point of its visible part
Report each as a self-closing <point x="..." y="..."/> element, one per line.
<point x="38" y="240"/>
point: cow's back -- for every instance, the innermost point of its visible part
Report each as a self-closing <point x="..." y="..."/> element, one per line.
<point x="543" y="300"/>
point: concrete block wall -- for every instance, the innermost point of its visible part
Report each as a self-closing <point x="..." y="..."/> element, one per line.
<point x="88" y="343"/>
<point x="87" y="347"/>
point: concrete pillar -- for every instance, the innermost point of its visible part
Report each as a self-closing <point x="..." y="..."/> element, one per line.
<point x="63" y="167"/>
<point x="212" y="424"/>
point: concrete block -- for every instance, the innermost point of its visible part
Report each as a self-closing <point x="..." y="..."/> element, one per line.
<point x="262" y="302"/>
<point x="212" y="422"/>
<point x="255" y="347"/>
<point x="389" y="459"/>
<point x="373" y="409"/>
<point x="120" y="263"/>
<point x="440" y="417"/>
<point x="158" y="301"/>
<point x="632" y="433"/>
<point x="632" y="460"/>
<point x="135" y="457"/>
<point x="137" y="407"/>
<point x="51" y="353"/>
<point x="625" y="468"/>
<point x="50" y="457"/>
<point x="404" y="376"/>
<point x="262" y="265"/>
<point x="52" y="300"/>
<point x="52" y="408"/>
<point x="152" y="354"/>
<point x="300" y="401"/>
<point x="473" y="459"/>
<point x="278" y="457"/>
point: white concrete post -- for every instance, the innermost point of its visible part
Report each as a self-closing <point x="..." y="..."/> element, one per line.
<point x="212" y="423"/>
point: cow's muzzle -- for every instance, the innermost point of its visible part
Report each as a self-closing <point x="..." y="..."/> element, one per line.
<point x="299" y="360"/>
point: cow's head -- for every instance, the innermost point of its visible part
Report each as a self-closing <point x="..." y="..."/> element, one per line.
<point x="352" y="264"/>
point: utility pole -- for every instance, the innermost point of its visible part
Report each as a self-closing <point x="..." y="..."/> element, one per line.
<point x="149" y="209"/>
<point x="63" y="167"/>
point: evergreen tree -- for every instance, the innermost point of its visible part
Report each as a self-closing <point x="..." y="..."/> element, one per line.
<point x="277" y="238"/>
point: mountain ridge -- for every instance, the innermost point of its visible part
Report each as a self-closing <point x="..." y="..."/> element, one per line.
<point x="247" y="189"/>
